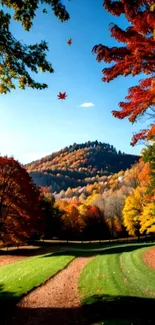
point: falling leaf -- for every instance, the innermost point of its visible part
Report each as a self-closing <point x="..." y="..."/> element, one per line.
<point x="62" y="95"/>
<point x="69" y="42"/>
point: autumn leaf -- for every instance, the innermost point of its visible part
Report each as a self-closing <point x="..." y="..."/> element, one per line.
<point x="62" y="95"/>
<point x="69" y="42"/>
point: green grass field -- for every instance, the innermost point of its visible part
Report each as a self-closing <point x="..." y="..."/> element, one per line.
<point x="122" y="287"/>
<point x="21" y="277"/>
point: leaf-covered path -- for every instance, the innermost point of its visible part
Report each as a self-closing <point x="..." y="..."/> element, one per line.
<point x="54" y="303"/>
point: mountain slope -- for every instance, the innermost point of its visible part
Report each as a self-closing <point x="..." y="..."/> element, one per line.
<point x="78" y="165"/>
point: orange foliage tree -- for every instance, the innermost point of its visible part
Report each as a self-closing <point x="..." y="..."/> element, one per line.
<point x="20" y="211"/>
<point x="137" y="56"/>
<point x="70" y="226"/>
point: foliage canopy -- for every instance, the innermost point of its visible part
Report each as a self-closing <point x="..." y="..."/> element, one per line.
<point x="19" y="61"/>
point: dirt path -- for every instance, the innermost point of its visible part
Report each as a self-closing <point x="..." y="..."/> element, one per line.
<point x="149" y="257"/>
<point x="14" y="255"/>
<point x="55" y="303"/>
<point x="10" y="259"/>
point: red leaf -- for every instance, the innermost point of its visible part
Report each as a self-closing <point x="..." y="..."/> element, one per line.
<point x="62" y="95"/>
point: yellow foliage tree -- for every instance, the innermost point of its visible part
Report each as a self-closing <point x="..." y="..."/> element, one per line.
<point x="91" y="199"/>
<point x="82" y="209"/>
<point x="132" y="211"/>
<point x="147" y="219"/>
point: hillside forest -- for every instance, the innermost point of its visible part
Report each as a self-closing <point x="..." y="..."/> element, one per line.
<point x="79" y="165"/>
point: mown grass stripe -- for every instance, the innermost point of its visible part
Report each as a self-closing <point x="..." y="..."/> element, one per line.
<point x="117" y="275"/>
<point x="19" y="278"/>
<point x="121" y="285"/>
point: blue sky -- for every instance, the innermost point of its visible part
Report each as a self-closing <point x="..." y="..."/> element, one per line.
<point x="35" y="123"/>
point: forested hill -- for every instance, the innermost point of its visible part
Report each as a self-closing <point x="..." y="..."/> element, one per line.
<point x="78" y="165"/>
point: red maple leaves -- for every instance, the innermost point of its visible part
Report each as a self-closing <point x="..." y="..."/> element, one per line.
<point x="62" y="95"/>
<point x="136" y="57"/>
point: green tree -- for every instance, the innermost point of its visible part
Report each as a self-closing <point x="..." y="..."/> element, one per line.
<point x="149" y="156"/>
<point x="51" y="216"/>
<point x="18" y="60"/>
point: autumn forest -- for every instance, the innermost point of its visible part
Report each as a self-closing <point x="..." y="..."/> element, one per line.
<point x="83" y="192"/>
<point x="77" y="162"/>
<point x="88" y="190"/>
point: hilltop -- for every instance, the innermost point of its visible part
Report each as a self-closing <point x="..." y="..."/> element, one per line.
<point x="78" y="165"/>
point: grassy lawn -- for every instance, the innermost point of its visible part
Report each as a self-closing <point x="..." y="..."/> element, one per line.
<point x="21" y="277"/>
<point x="121" y="286"/>
<point x="114" y="286"/>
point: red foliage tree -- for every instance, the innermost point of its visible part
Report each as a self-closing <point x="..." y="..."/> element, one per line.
<point x="95" y="224"/>
<point x="19" y="202"/>
<point x="137" y="56"/>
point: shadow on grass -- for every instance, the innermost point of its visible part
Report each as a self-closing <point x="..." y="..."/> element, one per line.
<point x="96" y="309"/>
<point x="106" y="309"/>
<point x="7" y="300"/>
<point x="118" y="249"/>
<point x="77" y="249"/>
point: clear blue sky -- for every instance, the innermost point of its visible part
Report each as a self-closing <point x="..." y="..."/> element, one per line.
<point x="35" y="123"/>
